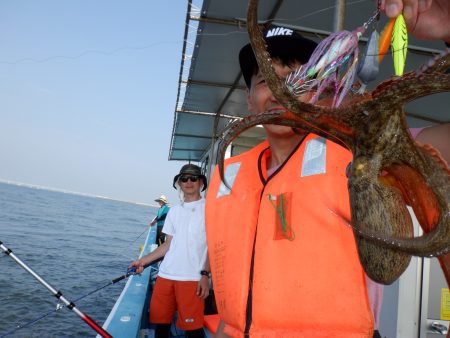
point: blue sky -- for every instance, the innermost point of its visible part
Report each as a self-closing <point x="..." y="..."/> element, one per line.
<point x="87" y="95"/>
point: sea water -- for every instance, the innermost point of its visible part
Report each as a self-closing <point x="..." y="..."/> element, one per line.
<point x="77" y="244"/>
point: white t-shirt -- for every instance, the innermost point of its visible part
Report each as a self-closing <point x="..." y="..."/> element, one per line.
<point x="187" y="252"/>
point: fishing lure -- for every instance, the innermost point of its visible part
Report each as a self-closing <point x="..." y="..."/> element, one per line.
<point x="369" y="66"/>
<point x="333" y="62"/>
<point x="385" y="39"/>
<point x="399" y="44"/>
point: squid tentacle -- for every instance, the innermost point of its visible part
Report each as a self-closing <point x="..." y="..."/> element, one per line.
<point x="374" y="128"/>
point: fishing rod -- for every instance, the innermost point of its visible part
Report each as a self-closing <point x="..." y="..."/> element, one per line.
<point x="129" y="273"/>
<point x="70" y="305"/>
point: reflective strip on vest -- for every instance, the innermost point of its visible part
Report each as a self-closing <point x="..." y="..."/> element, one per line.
<point x="314" y="160"/>
<point x="231" y="172"/>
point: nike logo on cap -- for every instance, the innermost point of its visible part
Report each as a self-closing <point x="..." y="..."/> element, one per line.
<point x="279" y="31"/>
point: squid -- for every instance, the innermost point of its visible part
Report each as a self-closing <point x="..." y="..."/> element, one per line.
<point x="389" y="169"/>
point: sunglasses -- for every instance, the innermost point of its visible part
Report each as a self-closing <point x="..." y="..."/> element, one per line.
<point x="184" y="179"/>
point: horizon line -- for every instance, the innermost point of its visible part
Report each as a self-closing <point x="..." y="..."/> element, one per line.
<point x="36" y="186"/>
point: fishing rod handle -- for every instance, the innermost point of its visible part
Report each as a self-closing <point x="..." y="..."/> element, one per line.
<point x="132" y="271"/>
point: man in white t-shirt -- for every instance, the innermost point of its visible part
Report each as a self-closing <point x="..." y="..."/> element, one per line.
<point x="183" y="277"/>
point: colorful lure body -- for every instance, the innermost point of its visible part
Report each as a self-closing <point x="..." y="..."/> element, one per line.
<point x="333" y="64"/>
<point x="399" y="45"/>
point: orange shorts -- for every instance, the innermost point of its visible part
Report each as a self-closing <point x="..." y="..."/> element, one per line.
<point x="170" y="296"/>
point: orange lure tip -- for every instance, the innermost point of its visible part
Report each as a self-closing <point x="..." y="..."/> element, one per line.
<point x="385" y="39"/>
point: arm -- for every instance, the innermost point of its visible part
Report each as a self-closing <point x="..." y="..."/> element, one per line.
<point x="438" y="137"/>
<point x="153" y="222"/>
<point x="428" y="20"/>
<point x="152" y="256"/>
<point x="203" y="283"/>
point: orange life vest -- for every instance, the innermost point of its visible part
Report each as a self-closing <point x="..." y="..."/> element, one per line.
<point x="303" y="281"/>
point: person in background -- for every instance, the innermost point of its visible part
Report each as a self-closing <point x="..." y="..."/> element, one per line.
<point x="160" y="218"/>
<point x="183" y="278"/>
<point x="270" y="279"/>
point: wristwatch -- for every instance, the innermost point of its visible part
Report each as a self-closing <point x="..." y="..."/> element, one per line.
<point x="205" y="273"/>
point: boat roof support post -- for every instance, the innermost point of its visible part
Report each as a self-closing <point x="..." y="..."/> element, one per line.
<point x="339" y="16"/>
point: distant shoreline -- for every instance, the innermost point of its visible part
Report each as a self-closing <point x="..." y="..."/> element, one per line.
<point x="35" y="186"/>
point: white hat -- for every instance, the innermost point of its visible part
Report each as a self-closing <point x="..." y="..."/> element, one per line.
<point x="162" y="198"/>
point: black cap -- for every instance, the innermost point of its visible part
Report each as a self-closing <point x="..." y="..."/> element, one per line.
<point x="191" y="169"/>
<point x="284" y="43"/>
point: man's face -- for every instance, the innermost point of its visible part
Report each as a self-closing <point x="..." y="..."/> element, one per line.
<point x="260" y="99"/>
<point x="190" y="184"/>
